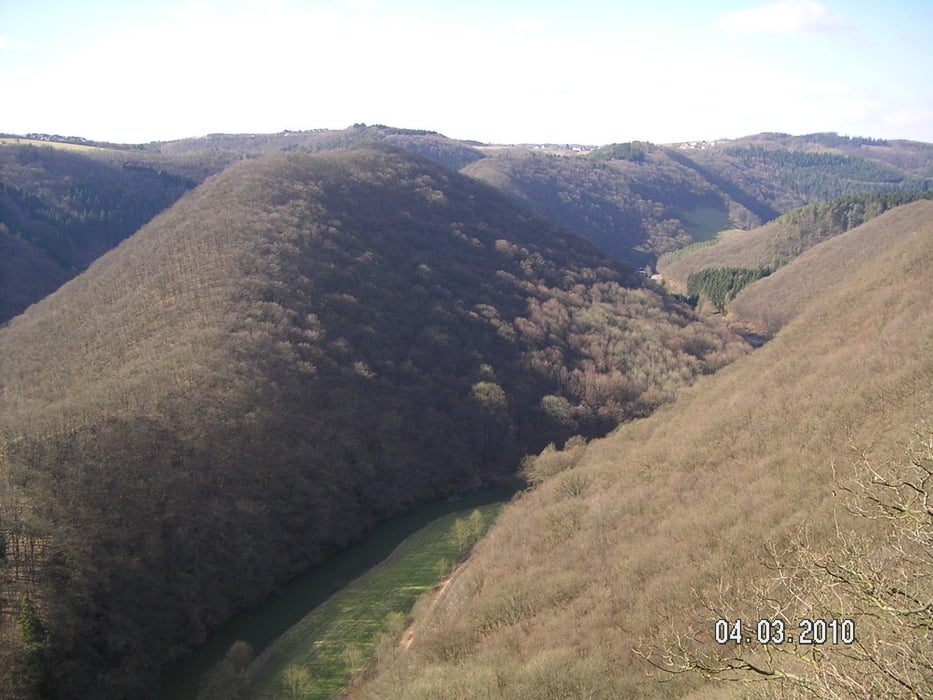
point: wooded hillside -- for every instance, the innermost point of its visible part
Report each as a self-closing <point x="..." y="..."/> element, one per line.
<point x="65" y="204"/>
<point x="775" y="244"/>
<point x="619" y="562"/>
<point x="306" y="344"/>
<point x="60" y="209"/>
<point x="298" y="348"/>
<point x="768" y="305"/>
<point x="639" y="201"/>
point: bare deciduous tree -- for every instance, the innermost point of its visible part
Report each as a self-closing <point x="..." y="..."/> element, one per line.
<point x="880" y="579"/>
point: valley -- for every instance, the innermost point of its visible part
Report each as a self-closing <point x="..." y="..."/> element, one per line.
<point x="265" y="627"/>
<point x="607" y="579"/>
<point x="224" y="361"/>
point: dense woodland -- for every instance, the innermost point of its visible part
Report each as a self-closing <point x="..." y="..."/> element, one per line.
<point x="634" y="207"/>
<point x="793" y="484"/>
<point x="61" y="209"/>
<point x="322" y="329"/>
<point x="788" y="172"/>
<point x="65" y="201"/>
<point x="301" y="347"/>
<point x="721" y="284"/>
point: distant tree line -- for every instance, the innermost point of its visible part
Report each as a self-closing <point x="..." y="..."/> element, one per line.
<point x="632" y="151"/>
<point x="845" y="213"/>
<point x="821" y="175"/>
<point x="834" y="140"/>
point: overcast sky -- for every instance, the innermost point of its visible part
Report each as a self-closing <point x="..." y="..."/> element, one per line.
<point x="498" y="71"/>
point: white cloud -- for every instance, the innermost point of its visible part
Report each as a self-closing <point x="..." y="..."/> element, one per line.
<point x="267" y="5"/>
<point x="784" y="17"/>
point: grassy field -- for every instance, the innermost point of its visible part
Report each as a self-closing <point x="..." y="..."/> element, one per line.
<point x="705" y="223"/>
<point x="13" y="141"/>
<point x="317" y="657"/>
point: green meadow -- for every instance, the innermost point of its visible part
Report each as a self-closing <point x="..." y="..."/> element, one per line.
<point x="16" y="141"/>
<point x="318" y="656"/>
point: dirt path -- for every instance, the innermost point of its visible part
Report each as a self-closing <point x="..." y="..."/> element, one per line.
<point x="436" y="596"/>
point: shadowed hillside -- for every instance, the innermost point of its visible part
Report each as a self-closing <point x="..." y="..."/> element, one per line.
<point x="62" y="207"/>
<point x="639" y="541"/>
<point x="639" y="201"/>
<point x="299" y="348"/>
<point x="633" y="207"/>
<point x="305" y="345"/>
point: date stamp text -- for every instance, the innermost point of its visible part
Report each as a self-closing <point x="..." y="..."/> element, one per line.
<point x="779" y="631"/>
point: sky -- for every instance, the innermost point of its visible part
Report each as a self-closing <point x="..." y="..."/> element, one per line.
<point x="497" y="71"/>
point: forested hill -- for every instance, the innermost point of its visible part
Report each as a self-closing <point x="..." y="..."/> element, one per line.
<point x="299" y="347"/>
<point x="789" y="486"/>
<point x="635" y="203"/>
<point x="639" y="201"/>
<point x="767" y="306"/>
<point x="63" y="203"/>
<point x="450" y="152"/>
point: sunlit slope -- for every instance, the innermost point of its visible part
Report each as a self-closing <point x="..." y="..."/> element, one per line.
<point x="619" y="550"/>
<point x="300" y="347"/>
<point x="892" y="244"/>
<point x="777" y="243"/>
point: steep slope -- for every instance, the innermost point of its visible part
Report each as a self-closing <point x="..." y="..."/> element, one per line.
<point x="639" y="201"/>
<point x="66" y="207"/>
<point x="785" y="172"/>
<point x="26" y="274"/>
<point x="69" y="203"/>
<point x="768" y="305"/>
<point x="635" y="200"/>
<point x="635" y="207"/>
<point x="298" y="348"/>
<point x="629" y="539"/>
<point x="780" y="241"/>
